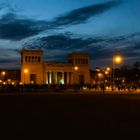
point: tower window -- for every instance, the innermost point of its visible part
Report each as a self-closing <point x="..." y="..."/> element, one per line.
<point x="86" y="61"/>
<point x="29" y="58"/>
<point x="76" y="60"/>
<point x="26" y="59"/>
<point x="33" y="58"/>
<point x="83" y="61"/>
<point x="38" y="59"/>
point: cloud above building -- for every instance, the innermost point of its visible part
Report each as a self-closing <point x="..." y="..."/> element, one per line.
<point x="81" y="15"/>
<point x="56" y="47"/>
<point x="63" y="33"/>
<point x="14" y="27"/>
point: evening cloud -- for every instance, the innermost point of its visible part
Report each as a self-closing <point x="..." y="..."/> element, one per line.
<point x="81" y="15"/>
<point x="13" y="27"/>
<point x="30" y="32"/>
<point x="99" y="48"/>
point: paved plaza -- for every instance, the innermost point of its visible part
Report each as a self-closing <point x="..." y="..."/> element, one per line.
<point x="70" y="116"/>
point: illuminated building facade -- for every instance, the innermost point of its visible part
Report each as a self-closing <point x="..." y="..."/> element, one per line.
<point x="35" y="70"/>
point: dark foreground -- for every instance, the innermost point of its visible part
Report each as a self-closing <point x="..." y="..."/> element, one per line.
<point x="70" y="117"/>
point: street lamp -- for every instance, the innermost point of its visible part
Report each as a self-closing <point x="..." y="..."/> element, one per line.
<point x="100" y="76"/>
<point x="76" y="68"/>
<point x="107" y="73"/>
<point x="108" y="69"/>
<point x="116" y="60"/>
<point x="25" y="72"/>
<point x="3" y="74"/>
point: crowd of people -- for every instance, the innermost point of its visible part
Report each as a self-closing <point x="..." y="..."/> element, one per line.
<point x="120" y="87"/>
<point x="33" y="88"/>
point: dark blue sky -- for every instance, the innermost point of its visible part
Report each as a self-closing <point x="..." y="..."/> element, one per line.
<point x="100" y="27"/>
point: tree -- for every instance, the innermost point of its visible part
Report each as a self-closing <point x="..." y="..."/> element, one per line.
<point x="136" y="65"/>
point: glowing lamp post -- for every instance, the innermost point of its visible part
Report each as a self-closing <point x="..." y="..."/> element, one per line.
<point x="116" y="60"/>
<point x="76" y="68"/>
<point x="107" y="73"/>
<point x="3" y="74"/>
<point x="25" y="73"/>
<point x="108" y="69"/>
<point x="100" y="76"/>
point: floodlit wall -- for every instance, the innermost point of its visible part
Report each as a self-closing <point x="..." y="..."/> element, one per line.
<point x="34" y="70"/>
<point x="32" y="66"/>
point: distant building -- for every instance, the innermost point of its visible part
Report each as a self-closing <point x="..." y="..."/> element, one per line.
<point x="9" y="76"/>
<point x="35" y="70"/>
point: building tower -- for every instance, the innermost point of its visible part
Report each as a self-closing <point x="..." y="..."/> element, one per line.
<point x="80" y="66"/>
<point x="32" y="66"/>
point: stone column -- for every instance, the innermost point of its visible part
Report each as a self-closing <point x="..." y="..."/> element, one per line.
<point x="68" y="80"/>
<point x="55" y="77"/>
<point x="71" y="77"/>
<point x="63" y="77"/>
<point x="50" y="78"/>
<point x="46" y="78"/>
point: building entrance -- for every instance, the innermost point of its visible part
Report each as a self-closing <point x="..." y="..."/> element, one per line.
<point x="33" y="78"/>
<point x="81" y="79"/>
<point x="60" y="79"/>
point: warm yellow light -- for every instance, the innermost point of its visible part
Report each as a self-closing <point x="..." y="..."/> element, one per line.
<point x="76" y="68"/>
<point x="0" y="81"/>
<point x="106" y="72"/>
<point x="118" y="59"/>
<point x="99" y="74"/>
<point x="25" y="70"/>
<point x="20" y="83"/>
<point x="3" y="72"/>
<point x="9" y="80"/>
<point x="108" y="69"/>
<point x="13" y="83"/>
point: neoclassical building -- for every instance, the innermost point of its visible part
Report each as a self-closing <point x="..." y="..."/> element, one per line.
<point x="35" y="70"/>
